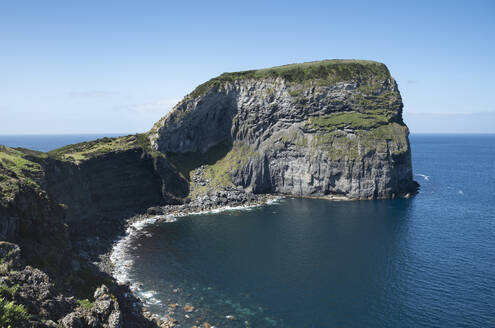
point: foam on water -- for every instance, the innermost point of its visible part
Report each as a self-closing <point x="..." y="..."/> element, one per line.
<point x="232" y="208"/>
<point x="122" y="261"/>
<point x="424" y="176"/>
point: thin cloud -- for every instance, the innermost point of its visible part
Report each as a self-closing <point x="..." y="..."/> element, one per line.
<point x="160" y="106"/>
<point x="92" y="94"/>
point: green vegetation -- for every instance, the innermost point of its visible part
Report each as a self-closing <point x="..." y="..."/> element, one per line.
<point x="320" y="72"/>
<point x="394" y="132"/>
<point x="14" y="160"/>
<point x="8" y="292"/>
<point x="4" y="267"/>
<point x="85" y="280"/>
<point x="11" y="314"/>
<point x="295" y="138"/>
<point x="85" y="304"/>
<point x="85" y="150"/>
<point x="219" y="163"/>
<point x="187" y="162"/>
<point x="16" y="171"/>
<point x="350" y="120"/>
<point x="370" y="101"/>
<point x="296" y="93"/>
<point x="339" y="144"/>
<point x="219" y="173"/>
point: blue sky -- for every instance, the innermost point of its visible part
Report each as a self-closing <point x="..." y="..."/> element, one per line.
<point x="118" y="66"/>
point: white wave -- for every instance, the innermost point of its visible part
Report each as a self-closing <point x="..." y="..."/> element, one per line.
<point x="122" y="263"/>
<point x="119" y="255"/>
<point x="232" y="208"/>
<point x="148" y="294"/>
<point x="461" y="192"/>
<point x="424" y="176"/>
<point x="153" y="301"/>
<point x="120" y="258"/>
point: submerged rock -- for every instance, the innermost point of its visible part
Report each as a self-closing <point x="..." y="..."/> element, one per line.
<point x="188" y="308"/>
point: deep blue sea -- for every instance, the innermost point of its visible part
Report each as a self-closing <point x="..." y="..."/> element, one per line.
<point x="428" y="261"/>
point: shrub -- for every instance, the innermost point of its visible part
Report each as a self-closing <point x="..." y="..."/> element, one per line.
<point x="11" y="313"/>
<point x="85" y="304"/>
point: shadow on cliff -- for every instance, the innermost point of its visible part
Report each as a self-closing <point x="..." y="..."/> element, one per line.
<point x="189" y="161"/>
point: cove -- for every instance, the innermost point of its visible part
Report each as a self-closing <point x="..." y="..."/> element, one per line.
<point x="425" y="261"/>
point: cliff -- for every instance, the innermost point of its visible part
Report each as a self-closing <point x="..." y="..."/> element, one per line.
<point x="64" y="209"/>
<point x="331" y="128"/>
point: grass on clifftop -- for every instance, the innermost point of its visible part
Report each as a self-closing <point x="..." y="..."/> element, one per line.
<point x="15" y="171"/>
<point x="323" y="72"/>
<point x="86" y="150"/>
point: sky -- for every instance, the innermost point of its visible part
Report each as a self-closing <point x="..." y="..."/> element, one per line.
<point x="118" y="66"/>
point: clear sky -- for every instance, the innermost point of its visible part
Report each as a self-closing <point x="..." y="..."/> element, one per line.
<point x="97" y="66"/>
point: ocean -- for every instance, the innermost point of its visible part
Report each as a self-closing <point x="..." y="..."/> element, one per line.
<point x="428" y="261"/>
<point x="47" y="142"/>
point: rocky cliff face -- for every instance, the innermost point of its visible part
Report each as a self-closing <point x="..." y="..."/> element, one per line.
<point x="330" y="128"/>
<point x="64" y="209"/>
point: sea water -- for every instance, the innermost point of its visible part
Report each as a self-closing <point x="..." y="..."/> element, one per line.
<point x="46" y="142"/>
<point x="428" y="261"/>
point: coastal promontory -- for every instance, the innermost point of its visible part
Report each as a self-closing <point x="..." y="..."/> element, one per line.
<point x="328" y="129"/>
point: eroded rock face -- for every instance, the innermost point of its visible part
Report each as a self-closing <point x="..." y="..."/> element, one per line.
<point x="308" y="137"/>
<point x="30" y="287"/>
<point x="104" y="313"/>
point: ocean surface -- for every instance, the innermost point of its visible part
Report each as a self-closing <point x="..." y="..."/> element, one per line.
<point x="428" y="261"/>
<point x="46" y="142"/>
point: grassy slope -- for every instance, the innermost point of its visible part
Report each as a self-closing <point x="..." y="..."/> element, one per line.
<point x="219" y="173"/>
<point x="85" y="150"/>
<point x="323" y="72"/>
<point x="16" y="171"/>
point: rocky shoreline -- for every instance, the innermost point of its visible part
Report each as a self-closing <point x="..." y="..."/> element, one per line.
<point x="227" y="199"/>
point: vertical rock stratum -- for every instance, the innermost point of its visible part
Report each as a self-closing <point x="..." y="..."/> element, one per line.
<point x="330" y="128"/>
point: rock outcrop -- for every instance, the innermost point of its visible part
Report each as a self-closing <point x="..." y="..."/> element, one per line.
<point x="329" y="128"/>
<point x="64" y="209"/>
